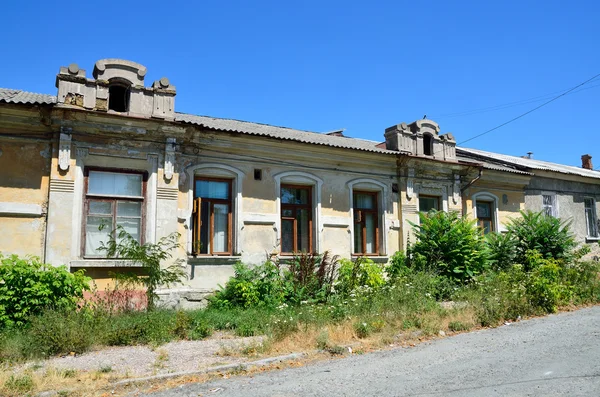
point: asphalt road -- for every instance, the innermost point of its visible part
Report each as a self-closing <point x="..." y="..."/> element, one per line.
<point x="557" y="355"/>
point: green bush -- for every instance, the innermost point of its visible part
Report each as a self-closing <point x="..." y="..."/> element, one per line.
<point x="310" y="277"/>
<point x="27" y="287"/>
<point x="362" y="272"/>
<point x="397" y="266"/>
<point x="535" y="231"/>
<point x="250" y="287"/>
<point x="448" y="245"/>
<point x="502" y="250"/>
<point x="60" y="332"/>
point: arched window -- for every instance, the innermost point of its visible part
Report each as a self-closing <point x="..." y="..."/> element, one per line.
<point x="427" y="144"/>
<point x="118" y="97"/>
<point x="485" y="210"/>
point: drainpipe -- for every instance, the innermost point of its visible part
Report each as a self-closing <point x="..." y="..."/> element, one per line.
<point x="45" y="245"/>
<point x="478" y="177"/>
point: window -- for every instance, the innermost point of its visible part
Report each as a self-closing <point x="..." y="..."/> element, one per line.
<point x="549" y="205"/>
<point x="428" y="203"/>
<point x="296" y="219"/>
<point x="118" y="97"/>
<point x="366" y="230"/>
<point x="427" y="144"/>
<point x="113" y="200"/>
<point x="591" y="218"/>
<point x="485" y="216"/>
<point x="211" y="223"/>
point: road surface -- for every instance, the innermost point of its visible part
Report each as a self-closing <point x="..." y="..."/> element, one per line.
<point x="558" y="355"/>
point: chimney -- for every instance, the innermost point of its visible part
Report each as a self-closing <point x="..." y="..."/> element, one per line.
<point x="586" y="162"/>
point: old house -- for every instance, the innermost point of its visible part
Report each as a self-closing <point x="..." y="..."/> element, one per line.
<point x="110" y="150"/>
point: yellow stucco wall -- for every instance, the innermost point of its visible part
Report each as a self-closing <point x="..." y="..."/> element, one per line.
<point x="23" y="180"/>
<point x="510" y="202"/>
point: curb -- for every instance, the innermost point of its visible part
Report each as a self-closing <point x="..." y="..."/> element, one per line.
<point x="240" y="366"/>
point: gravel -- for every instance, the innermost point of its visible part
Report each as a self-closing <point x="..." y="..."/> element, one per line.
<point x="558" y="355"/>
<point x="139" y="361"/>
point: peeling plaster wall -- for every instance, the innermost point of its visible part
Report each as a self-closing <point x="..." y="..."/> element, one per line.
<point x="570" y="196"/>
<point x="23" y="196"/>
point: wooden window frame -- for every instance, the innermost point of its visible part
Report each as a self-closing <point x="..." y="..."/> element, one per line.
<point x="113" y="199"/>
<point x="360" y="211"/>
<point x="439" y="201"/>
<point x="197" y="216"/>
<point x="295" y="207"/>
<point x="480" y="220"/>
<point x="594" y="219"/>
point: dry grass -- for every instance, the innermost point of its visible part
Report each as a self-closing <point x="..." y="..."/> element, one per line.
<point x="70" y="383"/>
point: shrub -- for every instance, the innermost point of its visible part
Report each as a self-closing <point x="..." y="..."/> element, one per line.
<point x="535" y="231"/>
<point x="397" y="266"/>
<point x="362" y="272"/>
<point x="502" y="250"/>
<point x="60" y="332"/>
<point x="448" y="245"/>
<point x="310" y="277"/>
<point x="27" y="287"/>
<point x="150" y="256"/>
<point x="249" y="287"/>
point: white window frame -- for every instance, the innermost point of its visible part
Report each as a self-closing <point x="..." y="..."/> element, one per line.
<point x="306" y="179"/>
<point x="217" y="170"/>
<point x="595" y="214"/>
<point x="488" y="197"/>
<point x="555" y="212"/>
<point x="370" y="185"/>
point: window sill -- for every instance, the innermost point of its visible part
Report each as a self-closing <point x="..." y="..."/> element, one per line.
<point x="213" y="260"/>
<point x="592" y="239"/>
<point x="104" y="263"/>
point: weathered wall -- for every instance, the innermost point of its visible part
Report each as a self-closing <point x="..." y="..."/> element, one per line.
<point x="570" y="194"/>
<point x="509" y="202"/>
<point x="23" y="196"/>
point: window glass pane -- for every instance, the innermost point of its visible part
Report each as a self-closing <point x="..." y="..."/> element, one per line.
<point x="370" y="223"/>
<point x="131" y="226"/>
<point x="292" y="195"/>
<point x="427" y="204"/>
<point x="100" y="207"/>
<point x="287" y="235"/>
<point x="212" y="189"/>
<point x="94" y="236"/>
<point x="221" y="228"/>
<point x="484" y="210"/>
<point x="302" y="234"/>
<point x="487" y="226"/>
<point x="366" y="201"/>
<point x="114" y="184"/>
<point x="358" y="228"/>
<point x="287" y="213"/>
<point x="128" y="208"/>
<point x="204" y="240"/>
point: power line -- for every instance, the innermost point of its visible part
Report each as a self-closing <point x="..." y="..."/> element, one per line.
<point x="507" y="105"/>
<point x="530" y="111"/>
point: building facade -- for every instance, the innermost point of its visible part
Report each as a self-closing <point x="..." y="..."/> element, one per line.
<point x="110" y="152"/>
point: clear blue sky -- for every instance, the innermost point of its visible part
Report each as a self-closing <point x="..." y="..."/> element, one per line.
<point x="325" y="65"/>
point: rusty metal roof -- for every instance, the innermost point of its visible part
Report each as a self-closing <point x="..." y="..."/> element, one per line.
<point x="527" y="164"/>
<point x="24" y="97"/>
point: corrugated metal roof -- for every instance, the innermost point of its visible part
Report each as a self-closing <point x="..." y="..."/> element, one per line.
<point x="30" y="98"/>
<point x="491" y="166"/>
<point x="284" y="133"/>
<point x="531" y="163"/>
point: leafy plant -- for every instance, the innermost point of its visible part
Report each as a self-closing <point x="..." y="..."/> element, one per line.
<point x="27" y="287"/>
<point x="449" y="245"/>
<point x="149" y="256"/>
<point x="362" y="272"/>
<point x="310" y="277"/>
<point x="502" y="250"/>
<point x="397" y="266"/>
<point x="536" y="231"/>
